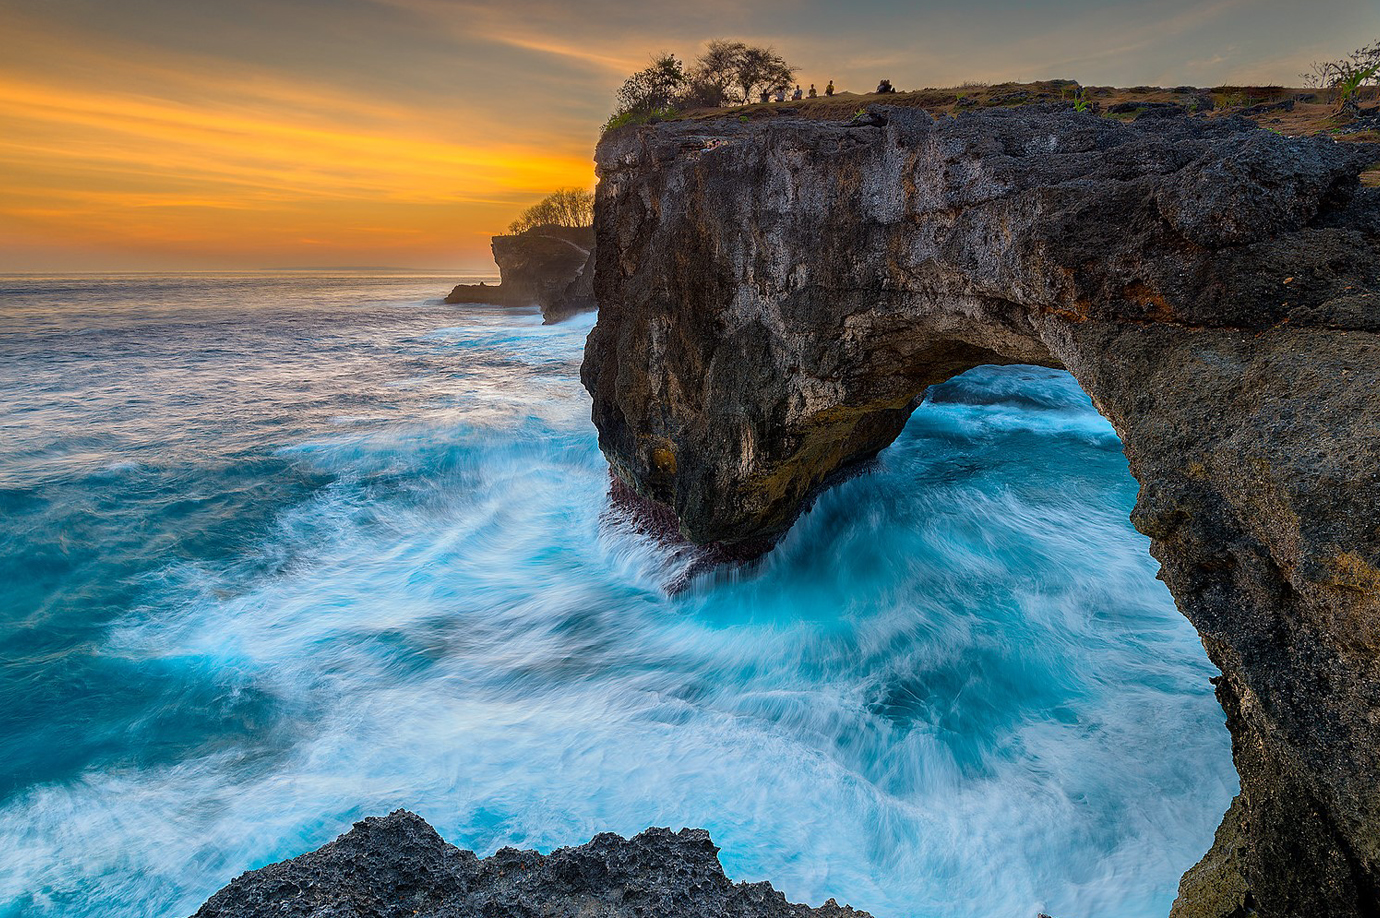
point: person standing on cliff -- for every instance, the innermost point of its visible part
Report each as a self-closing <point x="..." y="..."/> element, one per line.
<point x="829" y="90"/>
<point x="813" y="93"/>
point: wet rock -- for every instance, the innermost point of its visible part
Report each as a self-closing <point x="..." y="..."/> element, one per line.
<point x="1216" y="886"/>
<point x="578" y="295"/>
<point x="776" y="297"/>
<point x="398" y="867"/>
<point x="544" y="267"/>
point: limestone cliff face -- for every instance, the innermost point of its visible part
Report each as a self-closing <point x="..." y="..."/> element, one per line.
<point x="551" y="267"/>
<point x="776" y="296"/>
<point x="398" y="867"/>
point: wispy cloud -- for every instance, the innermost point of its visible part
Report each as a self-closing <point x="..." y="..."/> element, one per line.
<point x="229" y="132"/>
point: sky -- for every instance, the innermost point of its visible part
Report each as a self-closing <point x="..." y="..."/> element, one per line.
<point x="252" y="134"/>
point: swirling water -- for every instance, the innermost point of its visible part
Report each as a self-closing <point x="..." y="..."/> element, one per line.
<point x="279" y="552"/>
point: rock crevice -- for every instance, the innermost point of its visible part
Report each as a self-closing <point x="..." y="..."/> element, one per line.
<point x="775" y="297"/>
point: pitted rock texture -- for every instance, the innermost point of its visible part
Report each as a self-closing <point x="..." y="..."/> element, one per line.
<point x="398" y="867"/>
<point x="551" y="267"/>
<point x="776" y="296"/>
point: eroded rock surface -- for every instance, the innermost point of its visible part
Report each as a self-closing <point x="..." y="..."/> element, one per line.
<point x="551" y="267"/>
<point x="775" y="297"/>
<point x="398" y="867"/>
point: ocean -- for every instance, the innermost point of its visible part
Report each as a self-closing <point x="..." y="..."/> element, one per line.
<point x="280" y="551"/>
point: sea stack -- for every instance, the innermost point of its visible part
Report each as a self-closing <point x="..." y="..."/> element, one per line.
<point x="550" y="267"/>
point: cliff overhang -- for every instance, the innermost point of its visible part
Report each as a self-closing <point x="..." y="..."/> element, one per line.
<point x="776" y="296"/>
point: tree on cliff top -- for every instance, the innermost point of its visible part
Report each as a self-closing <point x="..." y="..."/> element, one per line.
<point x="654" y="88"/>
<point x="727" y="73"/>
<point x="572" y="207"/>
<point x="741" y="71"/>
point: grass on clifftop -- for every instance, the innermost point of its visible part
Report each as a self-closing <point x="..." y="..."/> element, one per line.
<point x="1313" y="112"/>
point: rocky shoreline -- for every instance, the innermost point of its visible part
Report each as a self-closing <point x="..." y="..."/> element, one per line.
<point x="1213" y="286"/>
<point x="550" y="267"/>
<point x="399" y="867"/>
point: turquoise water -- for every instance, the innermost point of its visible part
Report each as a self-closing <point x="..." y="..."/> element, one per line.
<point x="281" y="551"/>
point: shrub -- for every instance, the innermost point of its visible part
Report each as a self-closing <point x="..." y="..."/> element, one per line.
<point x="656" y="86"/>
<point x="1075" y="92"/>
<point x="1359" y="68"/>
<point x="624" y="119"/>
<point x="1351" y="84"/>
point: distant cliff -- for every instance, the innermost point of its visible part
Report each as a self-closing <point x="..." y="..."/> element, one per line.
<point x="776" y="296"/>
<point x="551" y="267"/>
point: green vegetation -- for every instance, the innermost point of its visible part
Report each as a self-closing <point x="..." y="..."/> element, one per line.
<point x="1350" y="85"/>
<point x="571" y="207"/>
<point x="1346" y="76"/>
<point x="622" y="119"/>
<point x="727" y="73"/>
<point x="1311" y="111"/>
<point x="652" y="89"/>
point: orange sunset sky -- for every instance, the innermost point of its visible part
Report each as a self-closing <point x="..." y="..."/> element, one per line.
<point x="244" y="134"/>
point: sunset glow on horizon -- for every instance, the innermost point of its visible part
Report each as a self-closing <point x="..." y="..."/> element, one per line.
<point x="148" y="135"/>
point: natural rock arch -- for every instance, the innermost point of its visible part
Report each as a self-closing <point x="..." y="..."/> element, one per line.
<point x="775" y="295"/>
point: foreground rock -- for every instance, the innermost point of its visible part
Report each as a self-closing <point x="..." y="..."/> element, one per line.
<point x="776" y="296"/>
<point x="551" y="267"/>
<point x="398" y="867"/>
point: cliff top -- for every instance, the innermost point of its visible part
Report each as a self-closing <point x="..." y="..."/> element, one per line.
<point x="580" y="235"/>
<point x="1290" y="111"/>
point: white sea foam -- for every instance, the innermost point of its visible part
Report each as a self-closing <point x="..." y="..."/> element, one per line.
<point x="955" y="689"/>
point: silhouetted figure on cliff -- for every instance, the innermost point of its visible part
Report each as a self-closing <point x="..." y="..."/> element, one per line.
<point x="829" y="90"/>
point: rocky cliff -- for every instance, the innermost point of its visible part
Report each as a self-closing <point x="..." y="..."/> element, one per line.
<point x="398" y="867"/>
<point x="551" y="267"/>
<point x="775" y="297"/>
